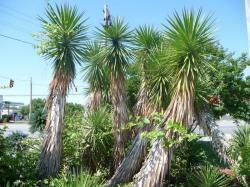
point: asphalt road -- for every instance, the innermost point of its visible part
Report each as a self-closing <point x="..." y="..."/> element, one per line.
<point x="18" y="127"/>
<point x="226" y="124"/>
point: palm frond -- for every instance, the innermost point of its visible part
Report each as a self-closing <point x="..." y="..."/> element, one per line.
<point x="64" y="34"/>
<point x="189" y="35"/>
<point x="241" y="138"/>
<point x="158" y="78"/>
<point x="94" y="70"/>
<point x="116" y="41"/>
<point x="146" y="38"/>
<point x="208" y="176"/>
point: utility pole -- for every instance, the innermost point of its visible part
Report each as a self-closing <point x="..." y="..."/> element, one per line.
<point x="30" y="107"/>
<point x="107" y="16"/>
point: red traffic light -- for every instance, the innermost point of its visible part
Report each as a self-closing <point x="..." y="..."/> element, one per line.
<point x="11" y="83"/>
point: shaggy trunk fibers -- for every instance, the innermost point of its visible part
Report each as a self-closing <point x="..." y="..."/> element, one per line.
<point x="120" y="118"/>
<point x="157" y="164"/>
<point x="95" y="100"/>
<point x="50" y="158"/>
<point x="141" y="108"/>
<point x="210" y="128"/>
<point x="132" y="162"/>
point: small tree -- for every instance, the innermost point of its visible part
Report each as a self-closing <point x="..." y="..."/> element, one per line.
<point x="116" y="54"/>
<point x="62" y="42"/>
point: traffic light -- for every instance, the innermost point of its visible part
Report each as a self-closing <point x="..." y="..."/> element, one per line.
<point x="11" y="83"/>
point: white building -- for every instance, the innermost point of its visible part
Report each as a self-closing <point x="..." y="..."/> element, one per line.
<point x="8" y="107"/>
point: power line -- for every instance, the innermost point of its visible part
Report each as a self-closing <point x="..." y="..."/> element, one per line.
<point x="38" y="95"/>
<point x="17" y="12"/>
<point x="17" y="17"/>
<point x="14" y="27"/>
<point x="23" y="80"/>
<point x="4" y="77"/>
<point x="16" y="39"/>
<point x="26" y="80"/>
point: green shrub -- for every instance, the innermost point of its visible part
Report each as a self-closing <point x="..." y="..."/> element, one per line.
<point x="88" y="140"/>
<point x="38" y="120"/>
<point x="190" y="155"/>
<point x="72" y="108"/>
<point x="6" y="118"/>
<point x="73" y="142"/>
<point x="98" y="138"/>
<point x="37" y="104"/>
<point x="81" y="179"/>
<point x="240" y="151"/>
<point x="18" y="159"/>
<point x="207" y="176"/>
<point x="39" y="116"/>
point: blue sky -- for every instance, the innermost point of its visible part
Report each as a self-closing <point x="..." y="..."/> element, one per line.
<point x="18" y="19"/>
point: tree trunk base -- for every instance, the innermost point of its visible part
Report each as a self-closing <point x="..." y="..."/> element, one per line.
<point x="50" y="158"/>
<point x="131" y="163"/>
<point x="155" y="168"/>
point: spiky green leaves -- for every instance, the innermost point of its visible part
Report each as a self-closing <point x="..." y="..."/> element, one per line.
<point x="208" y="176"/>
<point x="94" y="70"/>
<point x="146" y="38"/>
<point x="116" y="51"/>
<point x="63" y="37"/>
<point x="158" y="78"/>
<point x="190" y="35"/>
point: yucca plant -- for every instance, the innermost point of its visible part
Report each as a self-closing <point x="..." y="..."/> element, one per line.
<point x="240" y="139"/>
<point x="239" y="151"/>
<point x="116" y="55"/>
<point x="76" y="179"/>
<point x="188" y="36"/>
<point x="158" y="79"/>
<point x="146" y="38"/>
<point x="38" y="121"/>
<point x="62" y="42"/>
<point x="208" y="176"/>
<point x="95" y="73"/>
<point x="97" y="134"/>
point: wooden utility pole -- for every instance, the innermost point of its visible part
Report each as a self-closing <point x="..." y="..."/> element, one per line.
<point x="107" y="16"/>
<point x="30" y="107"/>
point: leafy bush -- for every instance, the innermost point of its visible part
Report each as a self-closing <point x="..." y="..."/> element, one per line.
<point x="81" y="179"/>
<point x="208" y="176"/>
<point x="72" y="108"/>
<point x="38" y="120"/>
<point x="190" y="155"/>
<point x="15" y="138"/>
<point x="98" y="139"/>
<point x="6" y="118"/>
<point x="18" y="158"/>
<point x="73" y="142"/>
<point x="88" y="140"/>
<point x="240" y="151"/>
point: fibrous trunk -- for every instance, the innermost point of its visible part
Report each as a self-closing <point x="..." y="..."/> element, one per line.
<point x="143" y="106"/>
<point x="157" y="164"/>
<point x="94" y="101"/>
<point x="120" y="118"/>
<point x="155" y="170"/>
<point x="50" y="158"/>
<point x="210" y="127"/>
<point x="132" y="162"/>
